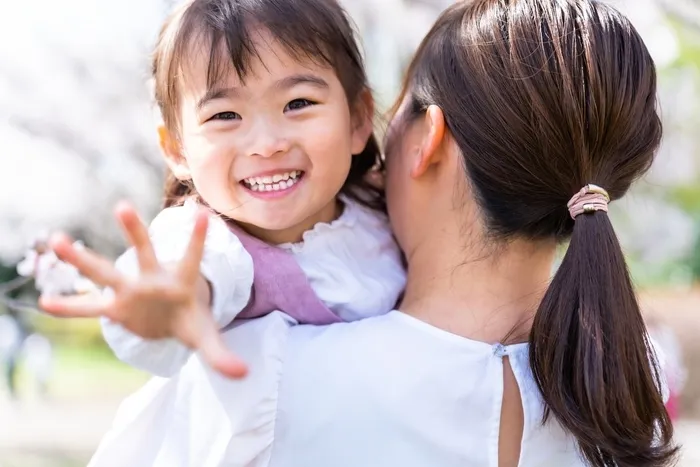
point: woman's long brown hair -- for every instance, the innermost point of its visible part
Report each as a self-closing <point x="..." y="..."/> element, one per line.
<point x="544" y="97"/>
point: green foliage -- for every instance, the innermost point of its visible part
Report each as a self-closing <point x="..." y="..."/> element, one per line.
<point x="74" y="332"/>
<point x="687" y="197"/>
<point x="694" y="259"/>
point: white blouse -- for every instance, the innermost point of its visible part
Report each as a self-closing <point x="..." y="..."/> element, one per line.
<point x="382" y="392"/>
<point x="353" y="265"/>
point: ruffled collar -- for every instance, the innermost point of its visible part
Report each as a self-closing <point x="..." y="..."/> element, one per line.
<point x="347" y="219"/>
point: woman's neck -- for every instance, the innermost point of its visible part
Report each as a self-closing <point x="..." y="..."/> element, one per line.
<point x="487" y="293"/>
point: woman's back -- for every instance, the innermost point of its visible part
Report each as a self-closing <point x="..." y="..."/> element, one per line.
<point x="385" y="391"/>
<point x="396" y="391"/>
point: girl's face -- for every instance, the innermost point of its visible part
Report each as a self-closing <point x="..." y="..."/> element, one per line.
<point x="271" y="152"/>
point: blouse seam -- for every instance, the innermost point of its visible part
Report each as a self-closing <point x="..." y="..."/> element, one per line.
<point x="496" y="416"/>
<point x="525" y="400"/>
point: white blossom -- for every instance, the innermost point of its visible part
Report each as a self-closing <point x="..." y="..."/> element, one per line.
<point x="51" y="275"/>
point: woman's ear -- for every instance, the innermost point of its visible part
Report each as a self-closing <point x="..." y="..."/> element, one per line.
<point x="362" y="121"/>
<point x="433" y="136"/>
<point x="173" y="155"/>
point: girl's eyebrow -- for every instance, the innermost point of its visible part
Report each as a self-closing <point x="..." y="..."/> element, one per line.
<point x="213" y="94"/>
<point x="294" y="80"/>
<point x="285" y="83"/>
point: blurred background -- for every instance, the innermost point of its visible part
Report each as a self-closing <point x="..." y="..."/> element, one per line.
<point x="77" y="134"/>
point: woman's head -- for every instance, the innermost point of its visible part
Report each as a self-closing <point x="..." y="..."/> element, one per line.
<point x="542" y="98"/>
<point x="534" y="99"/>
<point x="266" y="108"/>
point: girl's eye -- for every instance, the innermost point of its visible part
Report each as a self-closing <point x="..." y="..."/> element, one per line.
<point x="298" y="104"/>
<point x="226" y="116"/>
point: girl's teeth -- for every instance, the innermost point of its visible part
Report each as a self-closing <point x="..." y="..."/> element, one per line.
<point x="273" y="183"/>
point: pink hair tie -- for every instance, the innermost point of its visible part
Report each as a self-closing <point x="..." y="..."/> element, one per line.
<point x="591" y="198"/>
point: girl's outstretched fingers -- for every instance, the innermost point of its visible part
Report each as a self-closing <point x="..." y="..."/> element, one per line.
<point x="98" y="269"/>
<point x="136" y="233"/>
<point x="189" y="268"/>
<point x="81" y="306"/>
<point x="206" y="337"/>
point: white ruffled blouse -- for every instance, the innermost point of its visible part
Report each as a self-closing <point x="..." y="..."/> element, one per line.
<point x="353" y="265"/>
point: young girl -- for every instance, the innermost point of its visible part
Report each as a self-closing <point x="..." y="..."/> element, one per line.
<point x="267" y="131"/>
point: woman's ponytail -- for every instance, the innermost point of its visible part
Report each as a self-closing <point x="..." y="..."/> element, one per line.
<point x="590" y="355"/>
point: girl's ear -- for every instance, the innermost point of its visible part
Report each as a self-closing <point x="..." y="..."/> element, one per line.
<point x="362" y="121"/>
<point x="173" y="156"/>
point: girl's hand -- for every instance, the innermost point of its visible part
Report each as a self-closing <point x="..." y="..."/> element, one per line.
<point x="160" y="303"/>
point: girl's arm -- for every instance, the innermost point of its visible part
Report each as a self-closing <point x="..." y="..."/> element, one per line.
<point x="161" y="304"/>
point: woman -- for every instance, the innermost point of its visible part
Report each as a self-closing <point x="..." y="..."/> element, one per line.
<point x="518" y="123"/>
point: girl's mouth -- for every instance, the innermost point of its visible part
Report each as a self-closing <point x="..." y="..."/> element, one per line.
<point x="275" y="182"/>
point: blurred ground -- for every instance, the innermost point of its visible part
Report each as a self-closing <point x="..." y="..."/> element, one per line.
<point x="53" y="433"/>
<point x="63" y="429"/>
